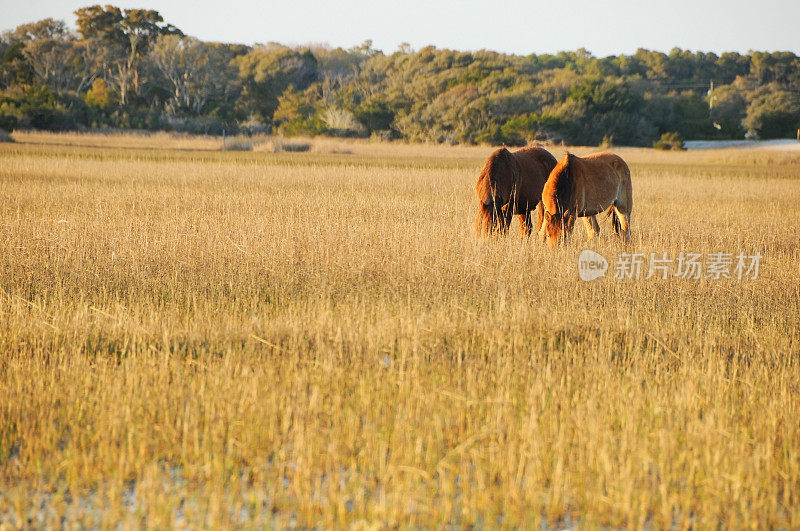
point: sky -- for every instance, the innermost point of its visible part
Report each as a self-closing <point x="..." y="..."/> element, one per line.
<point x="604" y="27"/>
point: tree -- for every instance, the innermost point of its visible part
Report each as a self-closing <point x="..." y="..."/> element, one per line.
<point x="101" y="23"/>
<point x="46" y="28"/>
<point x="773" y="114"/>
<point x="531" y="127"/>
<point x="99" y="95"/>
<point x="197" y="72"/>
<point x="780" y="67"/>
<point x="600" y="96"/>
<point x="14" y="67"/>
<point x="129" y="68"/>
<point x="297" y="114"/>
<point x="129" y="33"/>
<point x="90" y="60"/>
<point x="179" y="59"/>
<point x="337" y="64"/>
<point x="52" y="60"/>
<point x="376" y="115"/>
<point x="730" y="65"/>
<point x="37" y="108"/>
<point x="729" y="107"/>
<point x="267" y="71"/>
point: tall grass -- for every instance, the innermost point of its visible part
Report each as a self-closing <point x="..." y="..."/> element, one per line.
<point x="209" y="339"/>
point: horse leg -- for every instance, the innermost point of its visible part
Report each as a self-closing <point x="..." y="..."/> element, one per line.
<point x="525" y="224"/>
<point x="539" y="217"/>
<point x="595" y="225"/>
<point x="592" y="228"/>
<point x="623" y="207"/>
<point x="505" y="223"/>
<point x="483" y="222"/>
<point x="622" y="224"/>
<point x="504" y="216"/>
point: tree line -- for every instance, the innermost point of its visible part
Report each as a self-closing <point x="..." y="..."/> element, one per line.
<point x="129" y="69"/>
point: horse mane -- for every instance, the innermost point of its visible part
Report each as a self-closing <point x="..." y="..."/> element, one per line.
<point x="564" y="183"/>
<point x="497" y="167"/>
<point x="495" y="161"/>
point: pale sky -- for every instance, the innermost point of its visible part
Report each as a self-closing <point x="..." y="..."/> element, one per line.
<point x="604" y="27"/>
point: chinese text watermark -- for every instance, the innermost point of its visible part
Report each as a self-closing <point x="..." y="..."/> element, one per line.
<point x="696" y="266"/>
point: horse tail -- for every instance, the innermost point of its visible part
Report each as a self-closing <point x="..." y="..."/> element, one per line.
<point x="480" y="223"/>
<point x="614" y="219"/>
<point x="484" y="222"/>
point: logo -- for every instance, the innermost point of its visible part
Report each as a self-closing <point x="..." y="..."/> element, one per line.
<point x="661" y="266"/>
<point x="591" y="265"/>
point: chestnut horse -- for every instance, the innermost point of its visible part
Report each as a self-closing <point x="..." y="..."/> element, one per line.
<point x="583" y="187"/>
<point x="511" y="184"/>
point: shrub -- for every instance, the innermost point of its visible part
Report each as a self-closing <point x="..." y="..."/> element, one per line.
<point x="376" y="115"/>
<point x="383" y="135"/>
<point x="531" y="128"/>
<point x="341" y="122"/>
<point x="253" y="126"/>
<point x="5" y="137"/>
<point x="238" y="145"/>
<point x="195" y="125"/>
<point x="8" y="122"/>
<point x="304" y="126"/>
<point x="669" y="141"/>
<point x="296" y="147"/>
<point x="277" y="145"/>
<point x="99" y="95"/>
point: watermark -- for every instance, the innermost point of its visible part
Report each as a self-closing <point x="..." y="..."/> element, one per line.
<point x="661" y="266"/>
<point x="591" y="265"/>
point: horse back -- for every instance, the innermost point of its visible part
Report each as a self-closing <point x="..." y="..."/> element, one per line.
<point x="602" y="179"/>
<point x="604" y="166"/>
<point x="535" y="165"/>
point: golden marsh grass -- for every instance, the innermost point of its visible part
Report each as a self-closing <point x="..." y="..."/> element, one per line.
<point x="203" y="339"/>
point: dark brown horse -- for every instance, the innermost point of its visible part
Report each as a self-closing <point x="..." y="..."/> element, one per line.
<point x="582" y="187"/>
<point x="511" y="184"/>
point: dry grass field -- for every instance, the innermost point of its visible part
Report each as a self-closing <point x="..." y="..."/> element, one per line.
<point x="201" y="339"/>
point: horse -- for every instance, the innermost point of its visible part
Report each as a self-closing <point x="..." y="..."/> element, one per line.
<point x="511" y="184"/>
<point x="584" y="187"/>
